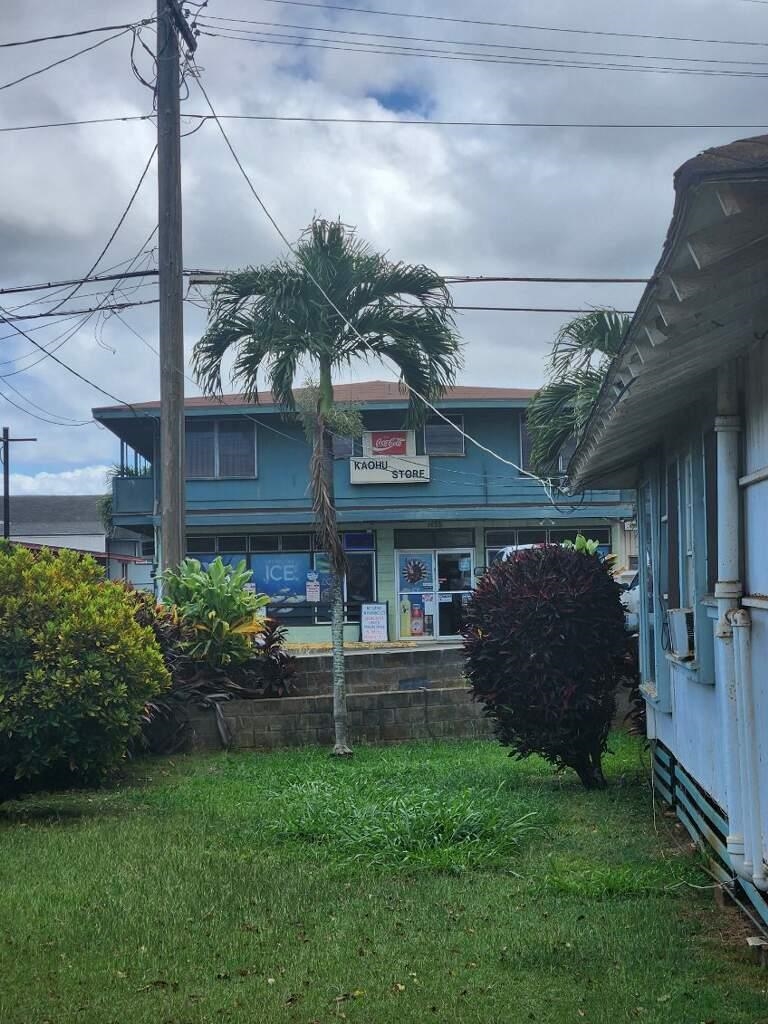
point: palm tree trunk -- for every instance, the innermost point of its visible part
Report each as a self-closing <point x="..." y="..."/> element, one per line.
<point x="328" y="533"/>
<point x="341" y="746"/>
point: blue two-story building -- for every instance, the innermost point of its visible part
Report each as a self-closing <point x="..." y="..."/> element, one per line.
<point x="422" y="511"/>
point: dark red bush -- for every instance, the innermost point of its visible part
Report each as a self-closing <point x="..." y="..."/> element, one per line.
<point x="544" y="638"/>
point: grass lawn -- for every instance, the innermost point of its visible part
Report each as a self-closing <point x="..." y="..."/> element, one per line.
<point x="423" y="883"/>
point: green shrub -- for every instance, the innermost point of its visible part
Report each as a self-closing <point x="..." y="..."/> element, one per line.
<point x="216" y="604"/>
<point x="76" y="669"/>
<point x="544" y="638"/>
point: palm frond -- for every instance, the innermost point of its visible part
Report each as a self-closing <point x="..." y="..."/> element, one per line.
<point x="590" y="338"/>
<point x="557" y="415"/>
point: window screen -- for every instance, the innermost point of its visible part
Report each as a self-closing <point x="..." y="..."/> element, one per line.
<point x="440" y="438"/>
<point x="234" y="543"/>
<point x="343" y="447"/>
<point x="201" y="545"/>
<point x="200" y="447"/>
<point x="237" y="448"/>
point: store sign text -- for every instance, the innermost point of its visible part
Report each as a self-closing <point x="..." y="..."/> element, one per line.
<point x="390" y="469"/>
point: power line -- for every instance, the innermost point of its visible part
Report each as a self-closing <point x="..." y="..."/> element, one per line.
<point x="532" y="309"/>
<point x="63" y="60"/>
<point x="11" y="318"/>
<point x="72" y="124"/>
<point x="423" y="122"/>
<point x="59" y="421"/>
<point x="515" y="25"/>
<point x="60" y="362"/>
<point x="80" y="32"/>
<point x="120" y="222"/>
<point x="470" y="42"/>
<point x="449" y="278"/>
<point x="313" y="43"/>
<point x="62" y="340"/>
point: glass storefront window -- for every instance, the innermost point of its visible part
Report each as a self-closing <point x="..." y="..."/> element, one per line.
<point x="434" y="588"/>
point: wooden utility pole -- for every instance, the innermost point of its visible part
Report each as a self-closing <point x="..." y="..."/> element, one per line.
<point x="6" y="451"/>
<point x="170" y="22"/>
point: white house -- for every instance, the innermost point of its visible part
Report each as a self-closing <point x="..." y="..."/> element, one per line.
<point x="683" y="417"/>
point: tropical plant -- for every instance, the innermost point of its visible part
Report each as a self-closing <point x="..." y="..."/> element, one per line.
<point x="544" y="638"/>
<point x="104" y="501"/>
<point x="215" y="603"/>
<point x="578" y="362"/>
<point x="166" y="722"/>
<point x="275" y="318"/>
<point x="76" y="669"/>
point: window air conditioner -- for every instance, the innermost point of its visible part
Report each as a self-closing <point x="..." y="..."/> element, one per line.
<point x="681" y="632"/>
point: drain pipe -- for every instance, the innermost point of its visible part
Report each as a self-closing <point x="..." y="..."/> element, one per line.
<point x="728" y="592"/>
<point x="754" y="866"/>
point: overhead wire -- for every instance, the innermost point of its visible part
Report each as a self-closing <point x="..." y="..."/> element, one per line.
<point x="60" y="362"/>
<point x="515" y="25"/>
<point x="63" y="339"/>
<point x="70" y="35"/>
<point x="406" y="121"/>
<point x="63" y="60"/>
<point x="313" y="43"/>
<point x="427" y="403"/>
<point x="113" y="235"/>
<point x="472" y="42"/>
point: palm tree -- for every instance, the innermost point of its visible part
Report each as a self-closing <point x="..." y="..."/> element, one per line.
<point x="274" y="318"/>
<point x="581" y="354"/>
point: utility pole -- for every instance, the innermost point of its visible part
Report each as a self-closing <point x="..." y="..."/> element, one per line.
<point x="6" y="450"/>
<point x="170" y="22"/>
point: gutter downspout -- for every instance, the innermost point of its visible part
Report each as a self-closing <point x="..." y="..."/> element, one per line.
<point x="728" y="592"/>
<point x="754" y="866"/>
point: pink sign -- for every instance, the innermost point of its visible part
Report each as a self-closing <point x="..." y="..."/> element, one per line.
<point x="389" y="442"/>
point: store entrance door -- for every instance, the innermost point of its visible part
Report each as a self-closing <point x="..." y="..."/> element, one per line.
<point x="433" y="590"/>
<point x="454" y="580"/>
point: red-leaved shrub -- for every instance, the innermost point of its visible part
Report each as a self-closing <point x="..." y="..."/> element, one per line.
<point x="544" y="638"/>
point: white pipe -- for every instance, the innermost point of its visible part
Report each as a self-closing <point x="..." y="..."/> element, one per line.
<point x="736" y="618"/>
<point x="728" y="591"/>
<point x="742" y="626"/>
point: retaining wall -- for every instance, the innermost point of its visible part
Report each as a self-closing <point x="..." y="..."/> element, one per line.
<point x="391" y="716"/>
<point x="376" y="671"/>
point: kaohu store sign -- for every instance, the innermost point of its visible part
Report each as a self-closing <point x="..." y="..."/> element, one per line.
<point x="389" y="469"/>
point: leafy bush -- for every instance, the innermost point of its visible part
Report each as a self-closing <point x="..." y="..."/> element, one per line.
<point x="216" y="604"/>
<point x="544" y="638"/>
<point x="268" y="673"/>
<point x="272" y="664"/>
<point x="76" y="669"/>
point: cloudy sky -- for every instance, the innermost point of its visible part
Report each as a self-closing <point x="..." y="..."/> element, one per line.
<point x="542" y="201"/>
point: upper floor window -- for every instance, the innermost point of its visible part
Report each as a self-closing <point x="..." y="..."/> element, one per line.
<point x="224" y="448"/>
<point x="526" y="443"/>
<point x="441" y="438"/>
<point x="346" y="447"/>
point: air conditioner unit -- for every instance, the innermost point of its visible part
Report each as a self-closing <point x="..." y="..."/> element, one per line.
<point x="681" y="632"/>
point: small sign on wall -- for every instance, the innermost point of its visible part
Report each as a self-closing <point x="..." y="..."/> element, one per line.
<point x="389" y="442"/>
<point x="374" y="625"/>
<point x="390" y="469"/>
<point x="313" y="587"/>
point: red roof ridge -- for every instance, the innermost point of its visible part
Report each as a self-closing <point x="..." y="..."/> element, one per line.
<point x="368" y="391"/>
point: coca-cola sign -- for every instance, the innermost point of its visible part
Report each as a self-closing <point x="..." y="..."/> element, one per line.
<point x="389" y="442"/>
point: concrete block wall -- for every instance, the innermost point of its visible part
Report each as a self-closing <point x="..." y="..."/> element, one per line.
<point x="368" y="672"/>
<point x="390" y="716"/>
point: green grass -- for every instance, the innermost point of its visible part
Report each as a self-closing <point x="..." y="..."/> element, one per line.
<point x="423" y="883"/>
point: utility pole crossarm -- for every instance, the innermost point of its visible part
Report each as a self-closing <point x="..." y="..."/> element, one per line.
<point x="182" y="26"/>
